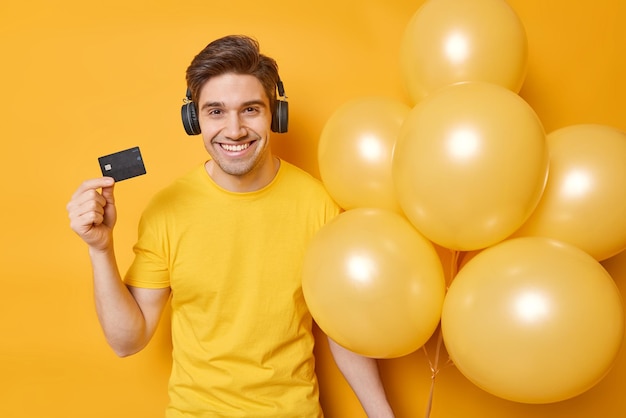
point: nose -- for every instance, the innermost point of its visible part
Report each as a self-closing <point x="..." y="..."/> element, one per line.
<point x="234" y="128"/>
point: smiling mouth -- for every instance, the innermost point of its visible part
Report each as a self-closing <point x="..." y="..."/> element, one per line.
<point x="235" y="147"/>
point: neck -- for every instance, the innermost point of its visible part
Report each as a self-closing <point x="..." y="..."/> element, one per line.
<point x="249" y="182"/>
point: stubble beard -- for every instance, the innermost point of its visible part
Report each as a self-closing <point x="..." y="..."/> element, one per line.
<point x="239" y="167"/>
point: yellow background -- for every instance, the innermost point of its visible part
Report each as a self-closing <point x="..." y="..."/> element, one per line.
<point x="81" y="79"/>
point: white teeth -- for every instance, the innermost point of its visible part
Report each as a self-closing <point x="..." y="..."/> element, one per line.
<point x="235" y="148"/>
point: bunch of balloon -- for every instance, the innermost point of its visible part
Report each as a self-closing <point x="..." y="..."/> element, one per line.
<point x="530" y="314"/>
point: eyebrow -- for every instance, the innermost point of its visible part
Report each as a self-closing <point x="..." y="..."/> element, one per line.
<point x="244" y="104"/>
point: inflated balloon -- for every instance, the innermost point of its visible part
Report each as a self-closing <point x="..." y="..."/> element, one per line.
<point x="449" y="41"/>
<point x="470" y="165"/>
<point x="355" y="152"/>
<point x="584" y="202"/>
<point x="373" y="283"/>
<point x="533" y="320"/>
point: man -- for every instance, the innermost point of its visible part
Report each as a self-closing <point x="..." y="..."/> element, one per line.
<point x="225" y="245"/>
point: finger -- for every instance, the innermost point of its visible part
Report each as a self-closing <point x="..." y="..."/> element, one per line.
<point x="86" y="200"/>
<point x="108" y="194"/>
<point x="88" y="190"/>
<point x="94" y="184"/>
<point x="86" y="221"/>
<point x="86" y="213"/>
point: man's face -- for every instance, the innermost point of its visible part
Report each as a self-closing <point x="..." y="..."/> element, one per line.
<point x="235" y="120"/>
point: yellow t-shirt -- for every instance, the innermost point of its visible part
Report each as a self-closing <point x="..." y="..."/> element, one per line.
<point x="241" y="331"/>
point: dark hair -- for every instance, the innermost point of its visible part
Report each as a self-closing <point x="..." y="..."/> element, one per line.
<point x="233" y="54"/>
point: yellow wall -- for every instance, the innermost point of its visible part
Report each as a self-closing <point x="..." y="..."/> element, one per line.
<point x="81" y="79"/>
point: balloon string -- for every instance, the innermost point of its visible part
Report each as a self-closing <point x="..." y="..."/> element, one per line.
<point x="434" y="371"/>
<point x="434" y="365"/>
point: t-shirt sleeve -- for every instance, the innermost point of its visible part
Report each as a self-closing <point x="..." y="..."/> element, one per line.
<point x="149" y="268"/>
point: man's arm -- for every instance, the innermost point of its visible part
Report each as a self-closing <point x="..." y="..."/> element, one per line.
<point x="362" y="375"/>
<point x="128" y="316"/>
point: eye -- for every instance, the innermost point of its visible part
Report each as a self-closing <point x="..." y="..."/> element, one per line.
<point x="251" y="109"/>
<point x="214" y="112"/>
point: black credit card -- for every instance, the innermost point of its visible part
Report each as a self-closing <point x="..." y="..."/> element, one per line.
<point x="123" y="165"/>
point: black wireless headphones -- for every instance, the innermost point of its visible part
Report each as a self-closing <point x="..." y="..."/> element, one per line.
<point x="280" y="115"/>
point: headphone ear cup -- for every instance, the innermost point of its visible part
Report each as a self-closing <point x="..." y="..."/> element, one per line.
<point x="190" y="118"/>
<point x="280" y="117"/>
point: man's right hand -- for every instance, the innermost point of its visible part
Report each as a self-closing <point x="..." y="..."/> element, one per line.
<point x="92" y="213"/>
